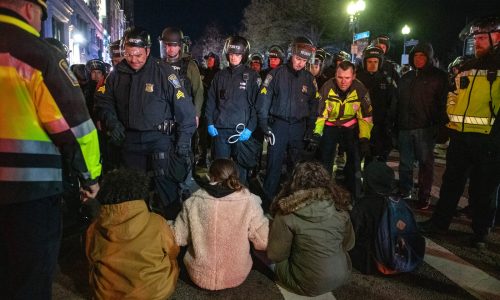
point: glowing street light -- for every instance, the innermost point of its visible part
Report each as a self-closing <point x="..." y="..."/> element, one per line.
<point x="353" y="10"/>
<point x="405" y="31"/>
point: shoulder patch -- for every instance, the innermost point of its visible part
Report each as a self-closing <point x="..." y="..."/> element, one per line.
<point x="102" y="89"/>
<point x="268" y="79"/>
<point x="174" y="81"/>
<point x="179" y="94"/>
<point x="263" y="91"/>
<point x="63" y="64"/>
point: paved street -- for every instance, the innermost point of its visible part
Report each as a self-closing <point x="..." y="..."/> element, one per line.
<point x="452" y="270"/>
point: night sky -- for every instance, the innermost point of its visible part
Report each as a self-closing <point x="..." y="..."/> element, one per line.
<point x="437" y="21"/>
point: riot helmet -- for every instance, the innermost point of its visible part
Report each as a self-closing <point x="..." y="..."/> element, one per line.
<point x="382" y="39"/>
<point x="341" y="56"/>
<point x="136" y="37"/>
<point x="316" y="67"/>
<point x="456" y="64"/>
<point x="114" y="49"/>
<point x="95" y="64"/>
<point x="237" y="45"/>
<point x="275" y="51"/>
<point x="303" y="48"/>
<point x="373" y="52"/>
<point x="256" y="62"/>
<point x="43" y="5"/>
<point x="59" y="46"/>
<point x="172" y="36"/>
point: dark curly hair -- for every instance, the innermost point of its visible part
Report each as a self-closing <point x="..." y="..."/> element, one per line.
<point x="310" y="175"/>
<point x="225" y="172"/>
<point x="123" y="185"/>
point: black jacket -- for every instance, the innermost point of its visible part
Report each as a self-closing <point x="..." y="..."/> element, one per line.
<point x="287" y="95"/>
<point x="143" y="99"/>
<point x="231" y="98"/>
<point x="381" y="89"/>
<point x="420" y="100"/>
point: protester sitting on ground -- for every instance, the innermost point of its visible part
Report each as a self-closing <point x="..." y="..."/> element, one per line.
<point x="131" y="251"/>
<point x="311" y="232"/>
<point x="216" y="223"/>
<point x="379" y="182"/>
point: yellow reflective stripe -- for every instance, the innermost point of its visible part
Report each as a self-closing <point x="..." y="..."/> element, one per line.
<point x="89" y="145"/>
<point x="30" y="174"/>
<point x="472" y="72"/>
<point x="20" y="24"/>
<point x="471" y="120"/>
<point x="29" y="147"/>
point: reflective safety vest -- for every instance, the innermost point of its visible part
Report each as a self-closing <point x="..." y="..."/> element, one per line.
<point x="475" y="103"/>
<point x="43" y="118"/>
<point x="354" y="110"/>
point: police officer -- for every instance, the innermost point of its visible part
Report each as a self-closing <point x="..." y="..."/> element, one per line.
<point x="173" y="49"/>
<point x="230" y="112"/>
<point x="44" y="123"/>
<point x="345" y="119"/>
<point x="286" y="108"/>
<point x="59" y="46"/>
<point x="275" y="58"/>
<point x="317" y="66"/>
<point x="256" y="62"/>
<point x="145" y="108"/>
<point x="115" y="52"/>
<point x="388" y="66"/>
<point x="381" y="89"/>
<point x="474" y="149"/>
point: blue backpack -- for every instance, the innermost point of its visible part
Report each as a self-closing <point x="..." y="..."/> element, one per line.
<point x="399" y="247"/>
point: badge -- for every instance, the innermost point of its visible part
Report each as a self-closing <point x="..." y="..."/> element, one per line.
<point x="174" y="81"/>
<point x="304" y="89"/>
<point x="268" y="79"/>
<point x="63" y="64"/>
<point x="149" y="87"/>
<point x="179" y="94"/>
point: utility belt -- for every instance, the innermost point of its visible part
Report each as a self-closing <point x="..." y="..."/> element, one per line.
<point x="166" y="127"/>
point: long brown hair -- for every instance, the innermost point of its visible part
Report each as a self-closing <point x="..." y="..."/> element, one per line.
<point x="311" y="175"/>
<point x="225" y="172"/>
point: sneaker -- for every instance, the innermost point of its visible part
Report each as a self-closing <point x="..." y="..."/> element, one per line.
<point x="478" y="241"/>
<point x="423" y="205"/>
<point x="430" y="228"/>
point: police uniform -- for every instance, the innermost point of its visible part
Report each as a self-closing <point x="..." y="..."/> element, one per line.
<point x="287" y="105"/>
<point x="231" y="101"/>
<point x="345" y="117"/>
<point x="155" y="111"/>
<point x="474" y="149"/>
<point x="44" y="122"/>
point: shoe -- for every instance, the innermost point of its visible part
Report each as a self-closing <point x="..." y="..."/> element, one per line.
<point x="430" y="228"/>
<point x="479" y="241"/>
<point x="423" y="205"/>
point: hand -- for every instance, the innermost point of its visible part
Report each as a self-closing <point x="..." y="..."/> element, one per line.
<point x="212" y="130"/>
<point x="117" y="133"/>
<point x="364" y="147"/>
<point x="314" y="143"/>
<point x="90" y="192"/>
<point x="182" y="150"/>
<point x="245" y="135"/>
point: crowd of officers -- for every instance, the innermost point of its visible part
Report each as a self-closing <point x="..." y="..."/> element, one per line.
<point x="158" y="114"/>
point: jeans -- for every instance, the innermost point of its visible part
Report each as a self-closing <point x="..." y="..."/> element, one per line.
<point x="30" y="237"/>
<point x="417" y="145"/>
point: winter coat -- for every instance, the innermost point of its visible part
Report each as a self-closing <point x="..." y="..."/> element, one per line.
<point x="420" y="100"/>
<point x="132" y="253"/>
<point x="217" y="232"/>
<point x="309" y="239"/>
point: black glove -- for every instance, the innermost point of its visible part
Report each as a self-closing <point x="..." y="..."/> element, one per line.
<point x="117" y="133"/>
<point x="364" y="147"/>
<point x="183" y="150"/>
<point x="314" y="143"/>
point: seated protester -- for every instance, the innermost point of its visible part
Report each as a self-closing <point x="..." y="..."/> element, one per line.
<point x="378" y="183"/>
<point x="131" y="251"/>
<point x="216" y="223"/>
<point x="311" y="232"/>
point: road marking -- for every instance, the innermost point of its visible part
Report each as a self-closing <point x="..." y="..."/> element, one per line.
<point x="291" y="296"/>
<point x="475" y="281"/>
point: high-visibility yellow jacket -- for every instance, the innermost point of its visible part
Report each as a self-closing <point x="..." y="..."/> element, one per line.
<point x="476" y="102"/>
<point x="353" y="109"/>
<point x="43" y="117"/>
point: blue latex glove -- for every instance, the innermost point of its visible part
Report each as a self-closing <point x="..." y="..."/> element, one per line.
<point x="245" y="135"/>
<point x="212" y="130"/>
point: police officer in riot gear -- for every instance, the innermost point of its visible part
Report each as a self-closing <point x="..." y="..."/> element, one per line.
<point x="256" y="62"/>
<point x="115" y="52"/>
<point x="230" y="111"/>
<point x="173" y="49"/>
<point x="275" y="58"/>
<point x="286" y="109"/>
<point x="381" y="89"/>
<point x="389" y="67"/>
<point x="145" y="108"/>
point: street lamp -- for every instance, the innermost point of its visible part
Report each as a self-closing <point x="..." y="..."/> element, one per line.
<point x="354" y="9"/>
<point x="405" y="31"/>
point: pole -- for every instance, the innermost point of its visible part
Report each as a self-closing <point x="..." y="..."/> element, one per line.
<point x="404" y="44"/>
